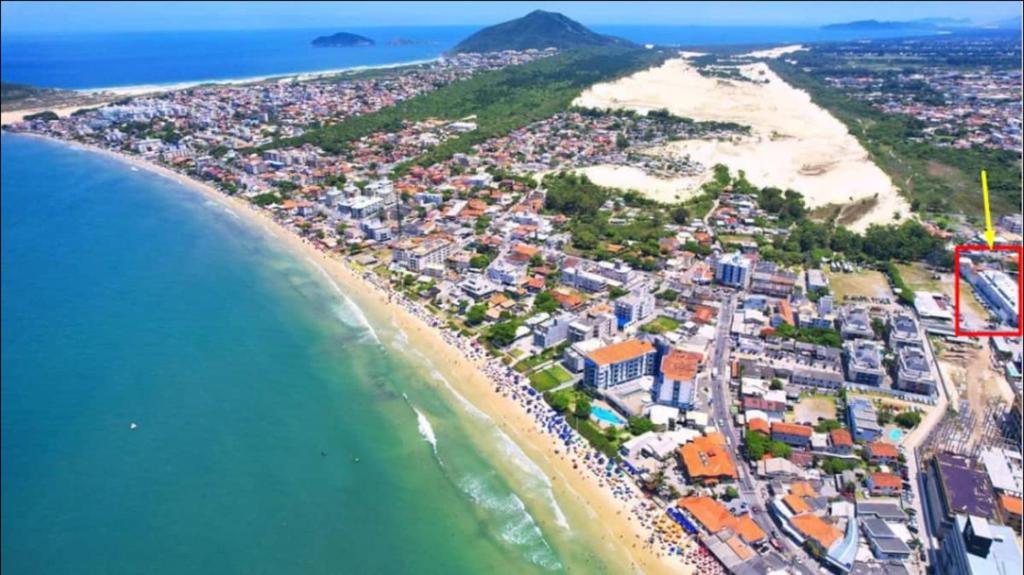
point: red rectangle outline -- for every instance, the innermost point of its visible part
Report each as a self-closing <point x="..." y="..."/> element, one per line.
<point x="1019" y="250"/>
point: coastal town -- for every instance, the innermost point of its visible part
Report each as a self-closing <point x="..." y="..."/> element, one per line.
<point x="765" y="392"/>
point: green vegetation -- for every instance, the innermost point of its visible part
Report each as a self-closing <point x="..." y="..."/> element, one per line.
<point x="905" y="294"/>
<point x="549" y="378"/>
<point x="45" y="115"/>
<point x="640" y="425"/>
<point x="660" y="325"/>
<point x="476" y="314"/>
<point x="827" y="425"/>
<point x="834" y="465"/>
<point x="545" y="302"/>
<point x="503" y="333"/>
<point x="758" y="445"/>
<point x="908" y="419"/>
<point x="502" y="100"/>
<point x="537" y="30"/>
<point x="815" y="335"/>
<point x="934" y="178"/>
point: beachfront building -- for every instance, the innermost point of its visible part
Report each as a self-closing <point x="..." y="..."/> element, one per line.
<point x="552" y="331"/>
<point x="862" y="419"/>
<point x="416" y="254"/>
<point x="635" y="307"/>
<point x="733" y="270"/>
<point x="619" y="363"/>
<point x="706" y="460"/>
<point x="676" y="384"/>
<point x="864" y="362"/>
<point x="1000" y="292"/>
<point x="913" y="373"/>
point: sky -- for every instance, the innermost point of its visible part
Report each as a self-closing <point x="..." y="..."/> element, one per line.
<point x="26" y="17"/>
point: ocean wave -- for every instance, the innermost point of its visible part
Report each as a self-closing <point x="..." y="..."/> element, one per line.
<point x="425" y="429"/>
<point x="351" y="311"/>
<point x="518" y="526"/>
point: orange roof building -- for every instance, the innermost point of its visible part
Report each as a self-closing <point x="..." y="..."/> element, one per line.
<point x="885" y="483"/>
<point x="714" y="517"/>
<point x="619" y="363"/>
<point x="796" y="504"/>
<point x="791" y="433"/>
<point x="815" y="529"/>
<point x="706" y="459"/>
<point x="802" y="489"/>
<point x="1012" y="506"/>
<point x="681" y="365"/>
<point x="841" y="438"/>
<point x="880" y="450"/>
<point x="759" y="424"/>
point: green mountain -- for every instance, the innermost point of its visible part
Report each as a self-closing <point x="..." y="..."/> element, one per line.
<point x="538" y="29"/>
<point x="342" y="39"/>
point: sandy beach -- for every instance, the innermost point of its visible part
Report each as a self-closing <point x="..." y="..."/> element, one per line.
<point x="793" y="143"/>
<point x="615" y="524"/>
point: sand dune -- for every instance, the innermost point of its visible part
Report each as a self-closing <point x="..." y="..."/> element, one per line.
<point x="793" y="142"/>
<point x="775" y="52"/>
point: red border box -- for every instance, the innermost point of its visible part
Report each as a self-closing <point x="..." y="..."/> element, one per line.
<point x="1019" y="250"/>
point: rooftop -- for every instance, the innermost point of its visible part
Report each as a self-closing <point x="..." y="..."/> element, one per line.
<point x="619" y="352"/>
<point x="707" y="456"/>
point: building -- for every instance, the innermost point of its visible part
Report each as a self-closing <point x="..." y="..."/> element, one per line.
<point x="884" y="543"/>
<point x="1000" y="292"/>
<point x="903" y="330"/>
<point x="733" y="270"/>
<point x="881" y="453"/>
<point x="583" y="280"/>
<point x="676" y="383"/>
<point x="619" y="363"/>
<point x="416" y="254"/>
<point x="913" y="373"/>
<point x="552" y="331"/>
<point x="816" y="281"/>
<point x="706" y="460"/>
<point x="768" y="279"/>
<point x="976" y="547"/>
<point x="862" y="419"/>
<point x="935" y="312"/>
<point x="592" y="326"/>
<point x="864" y="362"/>
<point x="792" y="434"/>
<point x="888" y="484"/>
<point x="715" y="517"/>
<point x="954" y="486"/>
<point x="840" y="442"/>
<point x="635" y="307"/>
<point x="816" y="377"/>
<point x="856" y="323"/>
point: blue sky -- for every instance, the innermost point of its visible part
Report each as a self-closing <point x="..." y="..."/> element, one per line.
<point x="20" y="17"/>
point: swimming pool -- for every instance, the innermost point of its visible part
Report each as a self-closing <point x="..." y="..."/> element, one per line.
<point x="895" y="435"/>
<point x="606" y="416"/>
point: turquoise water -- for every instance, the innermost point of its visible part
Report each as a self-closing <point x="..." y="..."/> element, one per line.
<point x="276" y="432"/>
<point x="895" y="435"/>
<point x="606" y="415"/>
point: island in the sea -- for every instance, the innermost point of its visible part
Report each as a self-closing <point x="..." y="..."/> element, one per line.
<point x="342" y="40"/>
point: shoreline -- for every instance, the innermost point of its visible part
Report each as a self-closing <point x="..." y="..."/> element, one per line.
<point x="618" y="527"/>
<point x="105" y="95"/>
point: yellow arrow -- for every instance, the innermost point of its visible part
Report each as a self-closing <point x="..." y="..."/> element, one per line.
<point x="990" y="234"/>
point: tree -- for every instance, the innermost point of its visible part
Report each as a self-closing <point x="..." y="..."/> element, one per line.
<point x="908" y="419"/>
<point x="827" y="425"/>
<point x="730" y="493"/>
<point x="680" y="215"/>
<point x="536" y="260"/>
<point x="582" y="408"/>
<point x="545" y="302"/>
<point x="640" y="425"/>
<point x="776" y="384"/>
<point x="476" y="314"/>
<point x="479" y="261"/>
<point x="504" y="333"/>
<point x="559" y="401"/>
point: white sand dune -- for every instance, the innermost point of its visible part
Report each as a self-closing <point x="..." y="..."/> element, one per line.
<point x="793" y="142"/>
<point x="775" y="52"/>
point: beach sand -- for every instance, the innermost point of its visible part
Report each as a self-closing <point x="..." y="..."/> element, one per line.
<point x="622" y="536"/>
<point x="793" y="143"/>
<point x="668" y="190"/>
<point x="775" y="52"/>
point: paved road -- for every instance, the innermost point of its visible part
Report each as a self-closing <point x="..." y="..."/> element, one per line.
<point x="749" y="490"/>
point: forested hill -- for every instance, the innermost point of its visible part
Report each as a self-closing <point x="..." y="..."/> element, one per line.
<point x="538" y="30"/>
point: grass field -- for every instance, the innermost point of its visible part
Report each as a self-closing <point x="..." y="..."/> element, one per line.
<point x="866" y="283"/>
<point x="919" y="278"/>
<point x="549" y="378"/>
<point x="660" y="325"/>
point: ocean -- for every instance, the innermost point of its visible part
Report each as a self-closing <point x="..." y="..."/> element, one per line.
<point x="96" y="60"/>
<point x="278" y="428"/>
